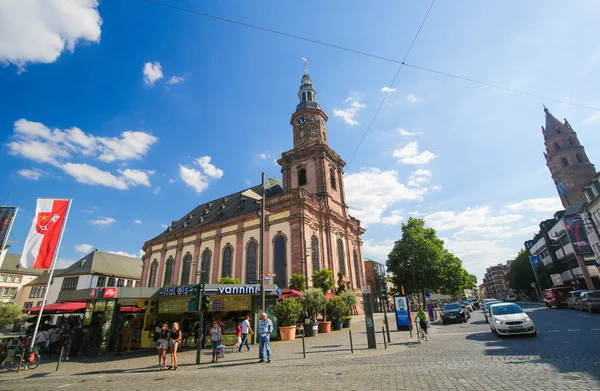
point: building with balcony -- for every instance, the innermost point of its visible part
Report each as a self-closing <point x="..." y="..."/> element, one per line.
<point x="375" y="278"/>
<point x="13" y="278"/>
<point x="591" y="215"/>
<point x="495" y="282"/>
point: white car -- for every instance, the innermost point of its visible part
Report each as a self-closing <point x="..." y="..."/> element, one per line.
<point x="511" y="297"/>
<point x="510" y="319"/>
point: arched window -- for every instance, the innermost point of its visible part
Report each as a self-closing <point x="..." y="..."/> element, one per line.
<point x="342" y="264"/>
<point x="187" y="269"/>
<point x="357" y="269"/>
<point x="571" y="141"/>
<point x="169" y="271"/>
<point x="153" y="272"/>
<point x="302" y="177"/>
<point x="579" y="160"/>
<point x="205" y="266"/>
<point x="251" y="256"/>
<point x="227" y="262"/>
<point x="556" y="146"/>
<point x="314" y="245"/>
<point x="280" y="261"/>
<point x="564" y="162"/>
<point x="557" y="131"/>
<point x="332" y="178"/>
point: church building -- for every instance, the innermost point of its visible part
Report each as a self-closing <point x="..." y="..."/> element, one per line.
<point x="308" y="226"/>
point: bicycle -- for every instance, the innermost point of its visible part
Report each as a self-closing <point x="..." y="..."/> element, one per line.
<point x="31" y="360"/>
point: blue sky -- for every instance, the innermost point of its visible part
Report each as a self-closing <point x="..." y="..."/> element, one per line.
<point x="151" y="143"/>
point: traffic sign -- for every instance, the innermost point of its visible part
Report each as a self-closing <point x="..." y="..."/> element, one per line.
<point x="253" y="281"/>
<point x="267" y="278"/>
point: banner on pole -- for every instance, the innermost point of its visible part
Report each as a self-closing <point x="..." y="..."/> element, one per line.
<point x="43" y="239"/>
<point x="7" y="216"/>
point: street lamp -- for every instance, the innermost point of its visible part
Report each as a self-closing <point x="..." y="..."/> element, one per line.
<point x="199" y="296"/>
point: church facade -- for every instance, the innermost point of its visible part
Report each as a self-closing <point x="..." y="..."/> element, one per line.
<point x="307" y="227"/>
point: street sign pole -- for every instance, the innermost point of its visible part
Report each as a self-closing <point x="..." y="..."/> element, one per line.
<point x="201" y="331"/>
<point x="367" y="303"/>
<point x="262" y="242"/>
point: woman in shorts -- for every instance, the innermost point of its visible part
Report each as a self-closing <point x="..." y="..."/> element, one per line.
<point x="174" y="342"/>
<point x="162" y="344"/>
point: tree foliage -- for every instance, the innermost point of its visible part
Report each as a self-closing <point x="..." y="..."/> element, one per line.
<point x="228" y="280"/>
<point x="298" y="282"/>
<point x="288" y="311"/>
<point x="313" y="301"/>
<point x="323" y="279"/>
<point x="10" y="314"/>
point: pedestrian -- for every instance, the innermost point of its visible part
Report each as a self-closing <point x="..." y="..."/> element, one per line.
<point x="215" y="340"/>
<point x="238" y="335"/>
<point x="162" y="344"/>
<point x="265" y="328"/>
<point x="246" y="329"/>
<point x="68" y="344"/>
<point x="53" y="341"/>
<point x="175" y="341"/>
<point x="42" y="340"/>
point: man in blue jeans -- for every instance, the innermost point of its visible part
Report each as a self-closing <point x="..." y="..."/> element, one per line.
<point x="265" y="328"/>
<point x="246" y="329"/>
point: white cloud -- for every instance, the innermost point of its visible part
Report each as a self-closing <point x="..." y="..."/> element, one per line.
<point x="419" y="177"/>
<point x="591" y="119"/>
<point x="435" y="188"/>
<point x="175" y="80"/>
<point x="103" y="221"/>
<point x="387" y="89"/>
<point x="542" y="205"/>
<point x="91" y="175"/>
<point x="412" y="99"/>
<point x="410" y="154"/>
<point x="88" y="211"/>
<point x="208" y="168"/>
<point x="131" y="146"/>
<point x="370" y="193"/>
<point x="137" y="221"/>
<point x="165" y="226"/>
<point x="498" y="232"/>
<point x="34" y="174"/>
<point x="137" y="177"/>
<point x="393" y="218"/>
<point x="33" y="31"/>
<point x="378" y="251"/>
<point x="193" y="178"/>
<point x="405" y="133"/>
<point x="123" y="253"/>
<point x="480" y="216"/>
<point x="84" y="248"/>
<point x="156" y="190"/>
<point x="141" y="253"/>
<point x="152" y="73"/>
<point x="349" y="114"/>
<point x="265" y="156"/>
<point x="171" y="180"/>
<point x="477" y="255"/>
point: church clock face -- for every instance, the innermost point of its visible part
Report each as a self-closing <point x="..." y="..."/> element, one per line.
<point x="300" y="120"/>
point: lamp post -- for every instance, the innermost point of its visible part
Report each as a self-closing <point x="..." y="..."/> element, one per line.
<point x="262" y="242"/>
<point x="201" y="331"/>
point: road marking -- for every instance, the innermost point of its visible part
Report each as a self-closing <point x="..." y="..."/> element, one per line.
<point x="594" y="329"/>
<point x="64" y="385"/>
<point x="100" y="377"/>
<point x="573" y="330"/>
<point x="554" y="331"/>
<point x="472" y="332"/>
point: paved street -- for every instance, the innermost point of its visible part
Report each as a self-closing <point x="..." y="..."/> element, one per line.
<point x="564" y="355"/>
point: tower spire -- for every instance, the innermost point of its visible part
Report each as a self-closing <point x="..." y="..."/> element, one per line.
<point x="305" y="67"/>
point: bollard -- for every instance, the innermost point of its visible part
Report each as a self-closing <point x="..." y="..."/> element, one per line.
<point x="62" y="350"/>
<point x="351" y="346"/>
<point x="383" y="335"/>
<point x="303" y="347"/>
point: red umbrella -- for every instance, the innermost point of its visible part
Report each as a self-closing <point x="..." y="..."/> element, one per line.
<point x="59" y="308"/>
<point x="289" y="293"/>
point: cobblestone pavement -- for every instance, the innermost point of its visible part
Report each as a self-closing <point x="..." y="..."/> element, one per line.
<point x="564" y="355"/>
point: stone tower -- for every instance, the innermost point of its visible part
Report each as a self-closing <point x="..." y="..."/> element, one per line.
<point x="312" y="164"/>
<point x="566" y="159"/>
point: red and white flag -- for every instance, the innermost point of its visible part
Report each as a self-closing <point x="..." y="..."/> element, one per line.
<point x="44" y="236"/>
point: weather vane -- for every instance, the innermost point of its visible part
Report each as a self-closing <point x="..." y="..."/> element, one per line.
<point x="305" y="68"/>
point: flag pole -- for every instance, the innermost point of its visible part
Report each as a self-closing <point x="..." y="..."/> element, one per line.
<point x="37" y="323"/>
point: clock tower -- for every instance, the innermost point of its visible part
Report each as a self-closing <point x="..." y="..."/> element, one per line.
<point x="312" y="164"/>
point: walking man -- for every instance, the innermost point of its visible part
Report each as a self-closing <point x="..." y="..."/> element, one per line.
<point x="246" y="329"/>
<point x="265" y="328"/>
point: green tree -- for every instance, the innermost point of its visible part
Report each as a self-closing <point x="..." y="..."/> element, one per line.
<point x="288" y="311"/>
<point x="415" y="259"/>
<point x="313" y="301"/>
<point x="323" y="279"/>
<point x="228" y="280"/>
<point x="453" y="279"/>
<point x="521" y="274"/>
<point x="10" y="314"/>
<point x="298" y="282"/>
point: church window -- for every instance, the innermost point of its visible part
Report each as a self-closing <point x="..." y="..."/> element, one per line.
<point x="304" y="97"/>
<point x="579" y="160"/>
<point x="187" y="269"/>
<point x="309" y="94"/>
<point x="227" y="262"/>
<point x="341" y="262"/>
<point x="356" y="269"/>
<point x="556" y="146"/>
<point x="280" y="261"/>
<point x="301" y="134"/>
<point x="169" y="272"/>
<point x="313" y="132"/>
<point x="314" y="246"/>
<point x="251" y="256"/>
<point x="564" y="162"/>
<point x="153" y="271"/>
<point x="571" y="141"/>
<point x="205" y="266"/>
<point x="332" y="178"/>
<point x="302" y="177"/>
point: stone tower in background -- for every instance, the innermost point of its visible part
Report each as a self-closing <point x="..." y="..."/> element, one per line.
<point x="566" y="158"/>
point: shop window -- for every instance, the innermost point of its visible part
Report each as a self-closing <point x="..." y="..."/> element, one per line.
<point x="120" y="282"/>
<point x="101" y="282"/>
<point x="227" y="262"/>
<point x="564" y="162"/>
<point x="251" y="257"/>
<point x="69" y="284"/>
<point x="341" y="262"/>
<point x="27" y="304"/>
<point x="205" y="266"/>
<point x="314" y="246"/>
<point x="39" y="303"/>
<point x="111" y="282"/>
<point x="129" y="284"/>
<point x="169" y="272"/>
<point x="187" y="269"/>
<point x="332" y="178"/>
<point x="37" y="291"/>
<point x="356" y="269"/>
<point x="280" y="261"/>
<point x="153" y="272"/>
<point x="302" y="177"/>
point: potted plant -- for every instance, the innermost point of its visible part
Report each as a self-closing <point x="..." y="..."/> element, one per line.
<point x="287" y="312"/>
<point x="313" y="301"/>
<point x="324" y="279"/>
<point x="349" y="298"/>
<point x="337" y="310"/>
<point x="298" y="282"/>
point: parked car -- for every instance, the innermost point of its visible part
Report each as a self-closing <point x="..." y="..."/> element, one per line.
<point x="588" y="300"/>
<point x="475" y="303"/>
<point x="453" y="313"/>
<point x="510" y="319"/>
<point x="573" y="299"/>
<point x="557" y="297"/>
<point x="466" y="309"/>
<point x="486" y="308"/>
<point x="510" y="297"/>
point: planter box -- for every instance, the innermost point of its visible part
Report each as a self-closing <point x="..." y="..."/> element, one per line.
<point x="310" y="329"/>
<point x="324" y="327"/>
<point x="287" y="333"/>
<point x="337" y="325"/>
<point x="347" y="323"/>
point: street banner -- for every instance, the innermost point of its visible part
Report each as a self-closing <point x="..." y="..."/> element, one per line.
<point x="44" y="236"/>
<point x="578" y="236"/>
<point x="7" y="216"/>
<point x="402" y="312"/>
<point x="535" y="261"/>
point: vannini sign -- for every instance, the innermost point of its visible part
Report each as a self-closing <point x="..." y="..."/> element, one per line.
<point x="239" y="290"/>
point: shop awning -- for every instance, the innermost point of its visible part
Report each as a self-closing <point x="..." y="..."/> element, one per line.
<point x="131" y="308"/>
<point x="67" y="307"/>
